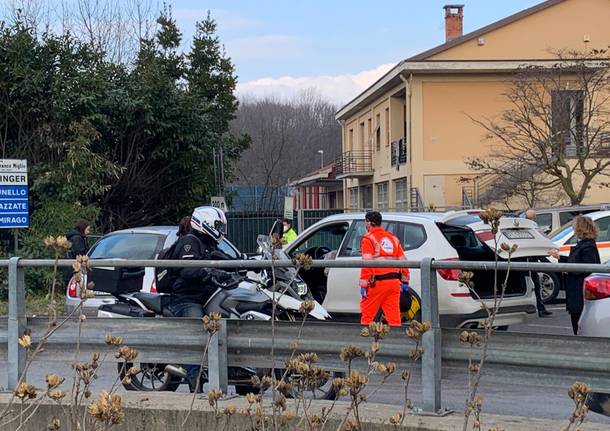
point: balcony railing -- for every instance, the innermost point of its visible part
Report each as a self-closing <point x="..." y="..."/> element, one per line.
<point x="353" y="164"/>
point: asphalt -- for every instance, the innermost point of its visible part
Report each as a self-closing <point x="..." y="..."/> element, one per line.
<point x="505" y="391"/>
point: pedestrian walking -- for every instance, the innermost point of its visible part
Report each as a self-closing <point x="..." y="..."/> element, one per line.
<point x="530" y="214"/>
<point x="381" y="287"/>
<point x="585" y="251"/>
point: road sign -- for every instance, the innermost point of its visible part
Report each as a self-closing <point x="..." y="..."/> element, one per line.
<point x="288" y="207"/>
<point x="219" y="202"/>
<point x="14" y="194"/>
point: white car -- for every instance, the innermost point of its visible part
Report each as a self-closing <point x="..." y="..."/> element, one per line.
<point x="565" y="239"/>
<point x="595" y="318"/>
<point x="137" y="243"/>
<point x="457" y="235"/>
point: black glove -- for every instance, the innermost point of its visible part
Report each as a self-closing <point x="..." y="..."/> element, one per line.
<point x="220" y="276"/>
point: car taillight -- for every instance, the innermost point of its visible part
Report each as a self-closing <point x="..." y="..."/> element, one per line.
<point x="485" y="235"/>
<point x="72" y="288"/>
<point x="153" y="286"/>
<point x="449" y="274"/>
<point x="597" y="287"/>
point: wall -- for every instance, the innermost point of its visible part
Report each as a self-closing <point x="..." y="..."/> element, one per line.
<point x="562" y="26"/>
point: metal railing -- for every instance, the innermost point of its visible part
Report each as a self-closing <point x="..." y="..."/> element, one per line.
<point x="247" y="343"/>
<point x="359" y="162"/>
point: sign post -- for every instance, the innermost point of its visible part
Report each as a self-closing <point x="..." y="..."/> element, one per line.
<point x="14" y="195"/>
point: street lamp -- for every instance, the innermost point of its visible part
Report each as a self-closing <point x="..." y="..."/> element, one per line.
<point x="321" y="153"/>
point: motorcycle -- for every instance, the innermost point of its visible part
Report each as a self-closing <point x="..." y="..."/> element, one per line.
<point x="239" y="298"/>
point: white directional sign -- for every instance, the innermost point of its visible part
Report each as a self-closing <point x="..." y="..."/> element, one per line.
<point x="219" y="202"/>
<point x="14" y="194"/>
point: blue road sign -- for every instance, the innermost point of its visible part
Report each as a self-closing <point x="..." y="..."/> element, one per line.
<point x="14" y="194"/>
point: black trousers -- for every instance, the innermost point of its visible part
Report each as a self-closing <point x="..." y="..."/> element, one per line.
<point x="575" y="317"/>
<point x="536" y="280"/>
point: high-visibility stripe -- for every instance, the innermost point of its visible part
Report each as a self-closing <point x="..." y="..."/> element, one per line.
<point x="605" y="244"/>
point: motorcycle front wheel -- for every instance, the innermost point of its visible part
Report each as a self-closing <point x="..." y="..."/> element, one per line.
<point x="149" y="378"/>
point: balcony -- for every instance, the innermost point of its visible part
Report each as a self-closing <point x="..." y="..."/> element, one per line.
<point x="355" y="164"/>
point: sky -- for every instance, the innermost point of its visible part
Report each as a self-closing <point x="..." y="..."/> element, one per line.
<point x="338" y="47"/>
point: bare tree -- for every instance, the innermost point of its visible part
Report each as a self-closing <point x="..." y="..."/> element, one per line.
<point x="286" y="137"/>
<point x="114" y="26"/>
<point x="556" y="133"/>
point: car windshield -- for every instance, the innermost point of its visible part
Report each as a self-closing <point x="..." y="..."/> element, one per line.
<point x="128" y="246"/>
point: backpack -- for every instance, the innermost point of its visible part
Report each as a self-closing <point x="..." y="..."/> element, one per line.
<point x="166" y="277"/>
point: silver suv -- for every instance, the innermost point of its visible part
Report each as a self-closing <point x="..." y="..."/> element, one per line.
<point x="551" y="219"/>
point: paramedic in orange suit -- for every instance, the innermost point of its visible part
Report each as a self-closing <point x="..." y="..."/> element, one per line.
<point x="381" y="287"/>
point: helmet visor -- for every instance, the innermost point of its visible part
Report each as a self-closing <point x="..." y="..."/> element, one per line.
<point x="220" y="227"/>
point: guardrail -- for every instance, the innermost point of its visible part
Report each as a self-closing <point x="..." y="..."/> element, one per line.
<point x="247" y="343"/>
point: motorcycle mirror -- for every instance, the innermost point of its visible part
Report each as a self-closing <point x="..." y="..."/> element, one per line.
<point x="599" y="402"/>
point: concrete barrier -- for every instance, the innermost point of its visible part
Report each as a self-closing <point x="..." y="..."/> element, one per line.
<point x="162" y="412"/>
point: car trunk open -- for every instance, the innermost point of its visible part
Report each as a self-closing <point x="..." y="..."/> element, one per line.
<point x="470" y="248"/>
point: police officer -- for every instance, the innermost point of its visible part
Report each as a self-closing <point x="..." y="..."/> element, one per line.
<point x="193" y="286"/>
<point x="381" y="287"/>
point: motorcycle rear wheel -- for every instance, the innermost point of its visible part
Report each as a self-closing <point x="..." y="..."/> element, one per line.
<point x="149" y="378"/>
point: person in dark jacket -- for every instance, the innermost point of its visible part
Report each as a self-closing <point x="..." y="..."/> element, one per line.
<point x="193" y="286"/>
<point x="78" y="239"/>
<point x="585" y="251"/>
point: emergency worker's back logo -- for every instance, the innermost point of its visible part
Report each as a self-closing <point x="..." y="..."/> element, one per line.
<point x="387" y="246"/>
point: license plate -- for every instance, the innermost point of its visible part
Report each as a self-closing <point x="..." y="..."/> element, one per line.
<point x="517" y="234"/>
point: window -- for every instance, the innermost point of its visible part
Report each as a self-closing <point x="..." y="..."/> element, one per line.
<point x="402" y="196"/>
<point x="351" y="246"/>
<point x="353" y="197"/>
<point x="387" y="127"/>
<point x="369" y="136"/>
<point x="329" y="236"/>
<point x="361" y="137"/>
<point x="382" y="196"/>
<point x="604" y="229"/>
<point x="399" y="152"/>
<point x="545" y="221"/>
<point x="567" y="119"/>
<point x="367" y="197"/>
<point x="378" y="132"/>
<point x="350" y="140"/>
<point x="411" y="235"/>
<point x="128" y="246"/>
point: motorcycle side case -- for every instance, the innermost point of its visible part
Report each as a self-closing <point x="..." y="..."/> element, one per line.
<point x="126" y="310"/>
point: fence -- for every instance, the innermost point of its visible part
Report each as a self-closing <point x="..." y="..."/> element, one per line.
<point x="244" y="227"/>
<point x="247" y="343"/>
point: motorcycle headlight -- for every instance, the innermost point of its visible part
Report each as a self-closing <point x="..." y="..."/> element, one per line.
<point x="301" y="288"/>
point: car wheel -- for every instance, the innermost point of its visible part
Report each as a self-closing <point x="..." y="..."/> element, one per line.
<point x="149" y="378"/>
<point x="549" y="286"/>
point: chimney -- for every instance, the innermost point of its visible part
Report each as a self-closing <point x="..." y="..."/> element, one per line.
<point x="454" y="17"/>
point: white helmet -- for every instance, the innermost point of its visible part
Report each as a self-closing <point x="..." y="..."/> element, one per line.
<point x="209" y="220"/>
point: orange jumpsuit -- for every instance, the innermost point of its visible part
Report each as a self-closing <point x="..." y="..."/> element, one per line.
<point x="378" y="244"/>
